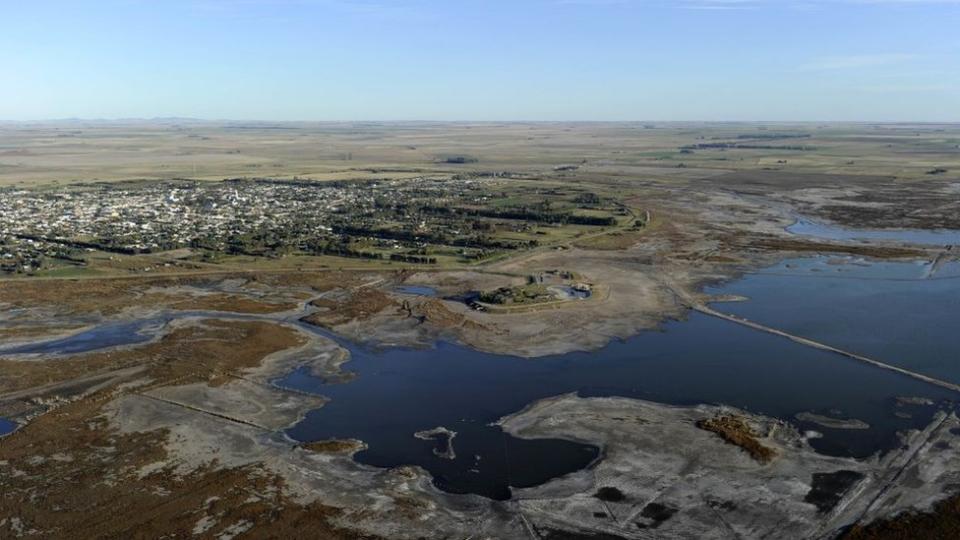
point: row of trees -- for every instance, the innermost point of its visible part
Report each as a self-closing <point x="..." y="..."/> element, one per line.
<point x="405" y="235"/>
<point x="416" y="259"/>
<point x="524" y="214"/>
<point x="725" y="146"/>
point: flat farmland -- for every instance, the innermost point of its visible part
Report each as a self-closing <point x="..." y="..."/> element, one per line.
<point x="79" y="151"/>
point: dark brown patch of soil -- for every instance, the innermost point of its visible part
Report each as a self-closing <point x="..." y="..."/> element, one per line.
<point x="333" y="446"/>
<point x="198" y="353"/>
<point x="736" y="431"/>
<point x="943" y="522"/>
<point x="361" y="304"/>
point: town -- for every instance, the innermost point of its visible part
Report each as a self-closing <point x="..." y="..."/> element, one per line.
<point x="418" y="221"/>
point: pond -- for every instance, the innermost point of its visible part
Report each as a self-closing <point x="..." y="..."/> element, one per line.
<point x="7" y="427"/>
<point x="416" y="290"/>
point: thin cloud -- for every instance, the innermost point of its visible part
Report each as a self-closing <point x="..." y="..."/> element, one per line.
<point x="371" y="8"/>
<point x="856" y="61"/>
<point x="720" y="5"/>
<point x="907" y="88"/>
<point x="594" y="2"/>
<point x="753" y="4"/>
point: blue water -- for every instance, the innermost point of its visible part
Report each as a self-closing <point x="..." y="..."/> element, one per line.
<point x="884" y="310"/>
<point x="844" y="267"/>
<point x="108" y="335"/>
<point x="418" y="290"/>
<point x="703" y="360"/>
<point x="805" y="227"/>
<point x="7" y="427"/>
<point x="114" y="334"/>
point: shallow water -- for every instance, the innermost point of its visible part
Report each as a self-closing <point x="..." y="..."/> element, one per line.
<point x="806" y="227"/>
<point x="108" y="335"/>
<point x="7" y="427"/>
<point x="116" y="334"/>
<point x="417" y="290"/>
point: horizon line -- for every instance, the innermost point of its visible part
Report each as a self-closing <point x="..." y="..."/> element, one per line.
<point x="160" y="119"/>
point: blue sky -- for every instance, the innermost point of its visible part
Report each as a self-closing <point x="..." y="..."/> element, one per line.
<point x="807" y="60"/>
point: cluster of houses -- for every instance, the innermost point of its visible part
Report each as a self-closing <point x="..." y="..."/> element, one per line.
<point x="148" y="217"/>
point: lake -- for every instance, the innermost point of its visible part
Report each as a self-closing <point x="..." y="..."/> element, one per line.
<point x="398" y="392"/>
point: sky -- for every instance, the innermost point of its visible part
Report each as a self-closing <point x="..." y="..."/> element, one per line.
<point x="630" y="60"/>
